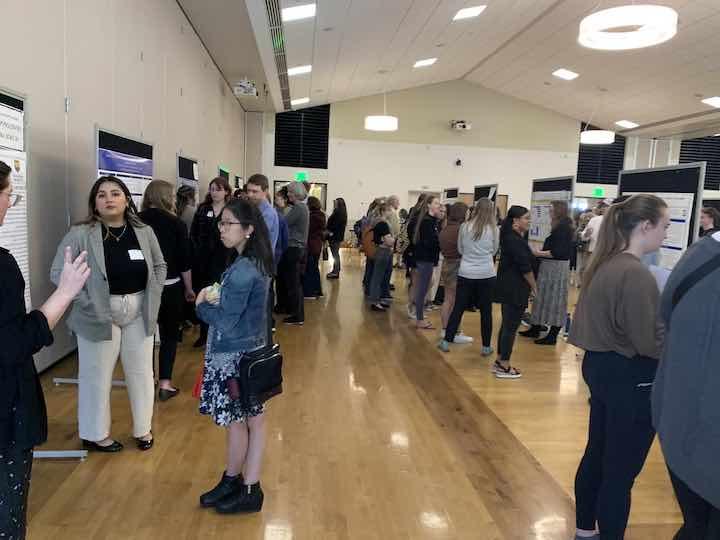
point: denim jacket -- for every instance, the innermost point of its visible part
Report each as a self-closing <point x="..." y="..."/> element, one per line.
<point x="239" y="320"/>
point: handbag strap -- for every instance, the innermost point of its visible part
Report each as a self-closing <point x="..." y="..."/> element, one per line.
<point x="702" y="271"/>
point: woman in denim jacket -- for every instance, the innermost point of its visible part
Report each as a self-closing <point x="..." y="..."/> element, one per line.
<point x="237" y="316"/>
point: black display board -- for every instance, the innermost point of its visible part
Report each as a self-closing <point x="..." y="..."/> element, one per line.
<point x="489" y="191"/>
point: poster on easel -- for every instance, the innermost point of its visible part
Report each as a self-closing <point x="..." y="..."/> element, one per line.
<point x="488" y="191"/>
<point x="128" y="159"/>
<point x="14" y="234"/>
<point x="681" y="187"/>
<point x="544" y="192"/>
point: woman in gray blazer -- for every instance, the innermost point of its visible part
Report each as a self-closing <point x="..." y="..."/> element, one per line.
<point x="116" y="312"/>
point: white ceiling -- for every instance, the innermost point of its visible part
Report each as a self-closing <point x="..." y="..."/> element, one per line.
<point x="361" y="47"/>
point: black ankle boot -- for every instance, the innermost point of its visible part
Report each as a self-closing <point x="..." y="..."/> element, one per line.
<point x="228" y="485"/>
<point x="551" y="338"/>
<point x="532" y="332"/>
<point x="249" y="499"/>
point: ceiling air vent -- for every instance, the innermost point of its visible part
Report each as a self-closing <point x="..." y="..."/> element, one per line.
<point x="278" y="44"/>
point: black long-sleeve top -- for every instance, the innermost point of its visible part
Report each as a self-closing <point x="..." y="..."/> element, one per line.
<point x="23" y="417"/>
<point x="560" y="242"/>
<point x="336" y="226"/>
<point x="516" y="260"/>
<point x="173" y="239"/>
<point x="210" y="256"/>
<point x="427" y="247"/>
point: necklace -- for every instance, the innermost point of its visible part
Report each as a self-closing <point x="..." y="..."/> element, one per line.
<point x="118" y="237"/>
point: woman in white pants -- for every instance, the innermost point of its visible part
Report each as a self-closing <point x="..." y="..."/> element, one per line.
<point x="115" y="313"/>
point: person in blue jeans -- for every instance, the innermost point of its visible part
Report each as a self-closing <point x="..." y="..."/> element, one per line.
<point x="616" y="323"/>
<point x="236" y="315"/>
<point x="426" y="250"/>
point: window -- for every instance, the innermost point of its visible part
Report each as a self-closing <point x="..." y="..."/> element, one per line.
<point x="301" y="138"/>
<point x="601" y="164"/>
<point x="704" y="149"/>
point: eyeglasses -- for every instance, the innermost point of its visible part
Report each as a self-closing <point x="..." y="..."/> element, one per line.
<point x="13" y="198"/>
<point x="225" y="224"/>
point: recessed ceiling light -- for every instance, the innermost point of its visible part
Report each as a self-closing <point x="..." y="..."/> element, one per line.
<point x="627" y="124"/>
<point x="713" y="101"/>
<point x="469" y="13"/>
<point x="300" y="101"/>
<point x="297" y="13"/>
<point x="427" y="62"/>
<point x="299" y="70"/>
<point x="565" y="74"/>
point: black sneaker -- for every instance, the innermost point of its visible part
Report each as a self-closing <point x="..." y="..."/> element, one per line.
<point x="378" y="307"/>
<point x="228" y="485"/>
<point x="295" y="321"/>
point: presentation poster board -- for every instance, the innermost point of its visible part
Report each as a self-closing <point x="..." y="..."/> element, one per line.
<point x="188" y="174"/>
<point x="14" y="234"/>
<point x="488" y="191"/>
<point x="130" y="160"/>
<point x="544" y="192"/>
<point x="681" y="187"/>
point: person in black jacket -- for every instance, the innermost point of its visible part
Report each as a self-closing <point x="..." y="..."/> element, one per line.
<point x="23" y="417"/>
<point x="158" y="211"/>
<point x="211" y="258"/>
<point x="515" y="282"/>
<point x="336" y="225"/>
<point x="426" y="251"/>
<point x="550" y="304"/>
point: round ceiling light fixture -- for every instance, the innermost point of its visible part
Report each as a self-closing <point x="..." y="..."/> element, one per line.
<point x="597" y="136"/>
<point x="382" y="122"/>
<point x="628" y="27"/>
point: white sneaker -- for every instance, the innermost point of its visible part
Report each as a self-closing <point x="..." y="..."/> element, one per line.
<point x="411" y="312"/>
<point x="462" y="339"/>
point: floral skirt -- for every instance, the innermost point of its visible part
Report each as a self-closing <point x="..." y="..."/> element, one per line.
<point x="214" y="396"/>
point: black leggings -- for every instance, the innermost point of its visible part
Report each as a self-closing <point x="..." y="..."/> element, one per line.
<point x="702" y="519"/>
<point x="619" y="439"/>
<point x="15" y="469"/>
<point x="511" y="315"/>
<point x="170" y="316"/>
<point x="480" y="292"/>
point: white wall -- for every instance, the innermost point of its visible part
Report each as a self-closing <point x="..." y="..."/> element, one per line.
<point x="512" y="142"/>
<point x="132" y="66"/>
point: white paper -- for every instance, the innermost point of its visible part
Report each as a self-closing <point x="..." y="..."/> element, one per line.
<point x="136" y="255"/>
<point x="11" y="128"/>
<point x="540" y="222"/>
<point x="14" y="232"/>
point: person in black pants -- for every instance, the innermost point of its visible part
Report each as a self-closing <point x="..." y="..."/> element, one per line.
<point x="336" y="225"/>
<point x="515" y="282"/>
<point x="379" y="290"/>
<point x="23" y="416"/>
<point x="158" y="211"/>
<point x="210" y="257"/>
<point x="298" y="219"/>
<point x="312" y="286"/>
<point x="616" y="323"/>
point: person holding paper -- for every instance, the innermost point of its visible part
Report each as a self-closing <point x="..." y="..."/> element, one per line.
<point x="23" y="417"/>
<point x="116" y="312"/>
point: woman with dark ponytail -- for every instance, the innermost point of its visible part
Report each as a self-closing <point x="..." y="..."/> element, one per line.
<point x="237" y="319"/>
<point x="616" y="324"/>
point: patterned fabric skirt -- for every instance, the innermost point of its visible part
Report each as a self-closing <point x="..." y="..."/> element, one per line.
<point x="550" y="304"/>
<point x="214" y="396"/>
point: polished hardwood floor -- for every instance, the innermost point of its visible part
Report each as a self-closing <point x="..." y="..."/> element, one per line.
<point x="378" y="435"/>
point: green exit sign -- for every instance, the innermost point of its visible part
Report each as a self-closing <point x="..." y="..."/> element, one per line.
<point x="302" y="176"/>
<point x="599" y="192"/>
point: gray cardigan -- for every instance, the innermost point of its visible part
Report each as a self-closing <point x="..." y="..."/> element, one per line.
<point x="686" y="397"/>
<point x="90" y="316"/>
<point x="298" y="222"/>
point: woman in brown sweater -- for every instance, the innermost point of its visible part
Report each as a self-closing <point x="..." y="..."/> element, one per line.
<point x="616" y="324"/>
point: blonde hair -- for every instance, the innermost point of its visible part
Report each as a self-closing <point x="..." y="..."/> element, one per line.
<point x="159" y="194"/>
<point x="618" y="225"/>
<point x="483" y="216"/>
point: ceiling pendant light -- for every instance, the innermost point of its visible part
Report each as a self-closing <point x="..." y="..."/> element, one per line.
<point x="597" y="136"/>
<point x="381" y="122"/>
<point x="628" y="27"/>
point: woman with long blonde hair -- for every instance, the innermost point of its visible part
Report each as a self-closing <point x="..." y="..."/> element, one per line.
<point x="616" y="324"/>
<point x="477" y="243"/>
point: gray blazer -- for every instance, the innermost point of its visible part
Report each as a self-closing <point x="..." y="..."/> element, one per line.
<point x="90" y="316"/>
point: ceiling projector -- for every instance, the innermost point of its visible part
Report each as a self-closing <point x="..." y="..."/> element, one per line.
<point x="460" y="125"/>
<point x="245" y="88"/>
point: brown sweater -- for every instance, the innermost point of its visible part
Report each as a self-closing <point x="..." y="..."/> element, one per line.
<point x="449" y="241"/>
<point x="619" y="310"/>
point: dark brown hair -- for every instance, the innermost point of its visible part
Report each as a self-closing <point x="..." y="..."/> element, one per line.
<point x="130" y="210"/>
<point x="314" y="203"/>
<point x="4" y="175"/>
<point x="560" y="212"/>
<point x="457" y="212"/>
<point x="220" y="182"/>
<point x="259" y="180"/>
<point x="708" y="211"/>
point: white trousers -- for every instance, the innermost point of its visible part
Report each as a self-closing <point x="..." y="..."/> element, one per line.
<point x="96" y="365"/>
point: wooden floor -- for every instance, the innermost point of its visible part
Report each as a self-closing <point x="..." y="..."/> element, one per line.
<point x="377" y="436"/>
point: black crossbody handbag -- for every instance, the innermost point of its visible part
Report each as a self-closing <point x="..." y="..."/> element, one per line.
<point x="260" y="376"/>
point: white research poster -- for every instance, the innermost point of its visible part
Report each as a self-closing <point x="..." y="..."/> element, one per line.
<point x="14" y="232"/>
<point x="11" y="128"/>
<point x="540" y="222"/>
<point x="680" y="206"/>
